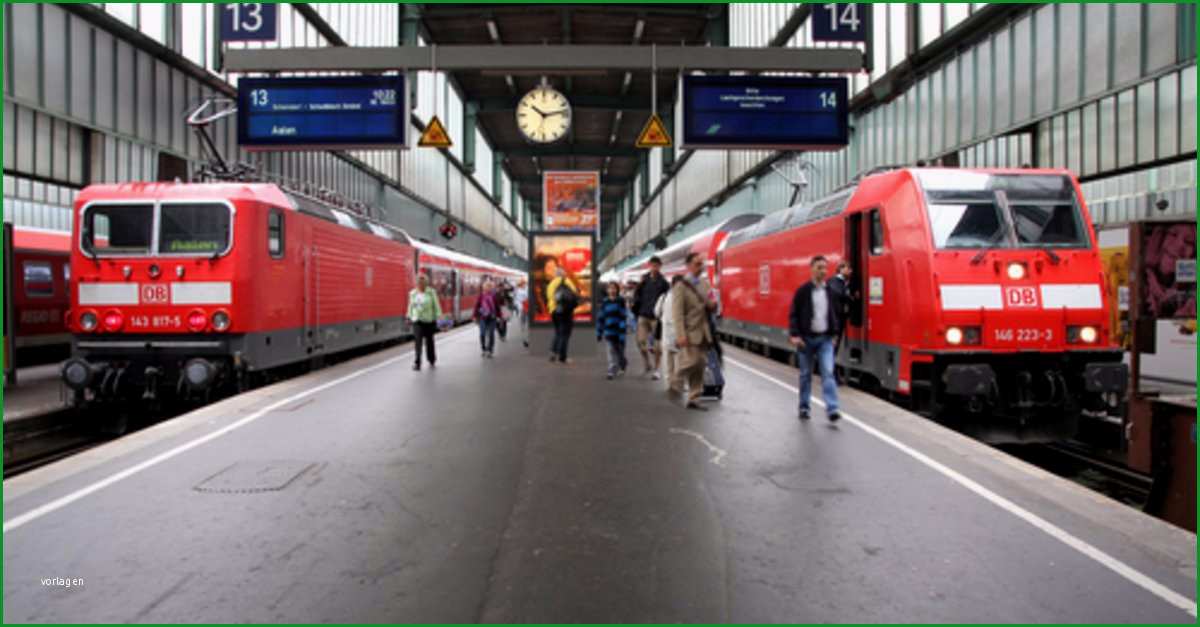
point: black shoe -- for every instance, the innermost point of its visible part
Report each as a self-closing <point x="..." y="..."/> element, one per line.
<point x="834" y="416"/>
<point x="417" y="366"/>
<point x="696" y="407"/>
<point x="609" y="376"/>
<point x="553" y="358"/>
<point x="804" y="414"/>
<point x="432" y="365"/>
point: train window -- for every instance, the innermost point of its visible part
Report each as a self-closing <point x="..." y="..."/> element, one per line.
<point x="1047" y="224"/>
<point x="39" y="279"/>
<point x="194" y="228"/>
<point x="876" y="233"/>
<point x="966" y="224"/>
<point x="117" y="230"/>
<point x="275" y="233"/>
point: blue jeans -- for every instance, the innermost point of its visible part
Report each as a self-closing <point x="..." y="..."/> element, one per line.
<point x="820" y="348"/>
<point x="487" y="334"/>
<point x="616" y="355"/>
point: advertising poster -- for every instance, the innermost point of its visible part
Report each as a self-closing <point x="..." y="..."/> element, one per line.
<point x="571" y="201"/>
<point x="1168" y="270"/>
<point x="1114" y="257"/>
<point x="565" y="256"/>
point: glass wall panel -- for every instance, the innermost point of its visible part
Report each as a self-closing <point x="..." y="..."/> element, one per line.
<point x="1023" y="89"/>
<point x="1043" y="60"/>
<point x="1146" y="122"/>
<point x="1187" y="109"/>
<point x="1107" y="123"/>
<point x="1128" y="50"/>
<point x="897" y="39"/>
<point x="1072" y="147"/>
<point x="951" y="103"/>
<point x="1168" y="115"/>
<point x="1161" y="24"/>
<point x="1002" y="117"/>
<point x="1089" y="134"/>
<point x="1095" y="46"/>
<point x="1126" y="127"/>
<point x="930" y="25"/>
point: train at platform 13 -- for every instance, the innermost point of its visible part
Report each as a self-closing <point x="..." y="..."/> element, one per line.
<point x="978" y="294"/>
<point x="183" y="289"/>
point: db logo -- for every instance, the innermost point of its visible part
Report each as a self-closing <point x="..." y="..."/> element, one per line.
<point x="154" y="294"/>
<point x="1020" y="297"/>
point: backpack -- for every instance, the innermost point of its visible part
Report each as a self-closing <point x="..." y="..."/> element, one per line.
<point x="565" y="298"/>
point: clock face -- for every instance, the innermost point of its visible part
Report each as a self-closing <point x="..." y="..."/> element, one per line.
<point x="544" y="115"/>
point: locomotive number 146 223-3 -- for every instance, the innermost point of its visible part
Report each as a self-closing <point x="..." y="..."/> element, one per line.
<point x="1023" y="335"/>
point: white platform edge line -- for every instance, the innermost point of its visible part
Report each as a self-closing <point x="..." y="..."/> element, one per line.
<point x="1121" y="568"/>
<point x="41" y="510"/>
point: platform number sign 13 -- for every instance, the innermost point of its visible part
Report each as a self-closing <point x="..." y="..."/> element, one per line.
<point x="248" y="21"/>
<point x="841" y="22"/>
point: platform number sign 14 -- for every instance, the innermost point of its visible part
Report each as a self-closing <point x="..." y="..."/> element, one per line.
<point x="249" y="21"/>
<point x="841" y="22"/>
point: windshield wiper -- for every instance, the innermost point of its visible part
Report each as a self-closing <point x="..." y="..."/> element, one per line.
<point x="991" y="245"/>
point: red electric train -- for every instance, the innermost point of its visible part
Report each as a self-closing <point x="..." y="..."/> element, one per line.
<point x="706" y="242"/>
<point x="981" y="294"/>
<point x="180" y="289"/>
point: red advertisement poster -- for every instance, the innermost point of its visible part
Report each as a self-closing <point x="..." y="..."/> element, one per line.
<point x="571" y="200"/>
<point x="559" y="258"/>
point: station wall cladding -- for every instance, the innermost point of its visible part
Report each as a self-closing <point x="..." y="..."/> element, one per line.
<point x="99" y="93"/>
<point x="1112" y="97"/>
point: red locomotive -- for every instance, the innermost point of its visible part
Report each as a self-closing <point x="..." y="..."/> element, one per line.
<point x="981" y="293"/>
<point x="180" y="289"/>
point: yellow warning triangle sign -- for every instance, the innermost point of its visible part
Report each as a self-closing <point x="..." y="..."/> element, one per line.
<point x="435" y="135"/>
<point x="654" y="134"/>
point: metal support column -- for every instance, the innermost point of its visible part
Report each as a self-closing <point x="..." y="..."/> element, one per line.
<point x="470" y="114"/>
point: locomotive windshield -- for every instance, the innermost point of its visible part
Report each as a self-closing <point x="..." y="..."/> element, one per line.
<point x="117" y="230"/>
<point x="974" y="210"/>
<point x="193" y="228"/>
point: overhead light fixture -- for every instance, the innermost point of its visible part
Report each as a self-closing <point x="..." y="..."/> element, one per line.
<point x="493" y="31"/>
<point x="638" y="28"/>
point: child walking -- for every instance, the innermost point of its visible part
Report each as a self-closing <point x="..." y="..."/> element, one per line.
<point x="610" y="327"/>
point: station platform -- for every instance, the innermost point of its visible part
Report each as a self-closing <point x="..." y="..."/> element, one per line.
<point x="517" y="490"/>
<point x="38" y="391"/>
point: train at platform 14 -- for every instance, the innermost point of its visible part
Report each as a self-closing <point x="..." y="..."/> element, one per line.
<point x="180" y="290"/>
<point x="978" y="294"/>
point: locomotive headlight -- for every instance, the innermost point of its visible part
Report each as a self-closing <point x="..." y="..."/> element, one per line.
<point x="1088" y="335"/>
<point x="88" y="321"/>
<point x="197" y="320"/>
<point x="1016" y="271"/>
<point x="220" y="320"/>
<point x="954" y="335"/>
<point x="113" y="320"/>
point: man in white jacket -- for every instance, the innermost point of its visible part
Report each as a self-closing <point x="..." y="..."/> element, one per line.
<point x="662" y="310"/>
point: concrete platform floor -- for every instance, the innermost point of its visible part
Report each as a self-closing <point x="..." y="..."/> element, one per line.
<point x="38" y="391"/>
<point x="515" y="490"/>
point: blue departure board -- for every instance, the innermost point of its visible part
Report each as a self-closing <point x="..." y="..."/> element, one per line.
<point x="338" y="112"/>
<point x="765" y="112"/>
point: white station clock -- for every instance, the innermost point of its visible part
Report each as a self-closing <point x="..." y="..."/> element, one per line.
<point x="544" y="115"/>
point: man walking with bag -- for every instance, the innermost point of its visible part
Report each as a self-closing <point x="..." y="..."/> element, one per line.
<point x="648" y="291"/>
<point x="691" y="302"/>
<point x="813" y="323"/>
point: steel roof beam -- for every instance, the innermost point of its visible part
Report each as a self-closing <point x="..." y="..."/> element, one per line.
<point x="533" y="58"/>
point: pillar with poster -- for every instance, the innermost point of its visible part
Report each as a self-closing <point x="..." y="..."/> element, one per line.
<point x="560" y="255"/>
<point x="1161" y="429"/>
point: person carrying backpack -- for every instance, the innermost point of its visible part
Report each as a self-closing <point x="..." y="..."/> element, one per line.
<point x="563" y="297"/>
<point x="487" y="311"/>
